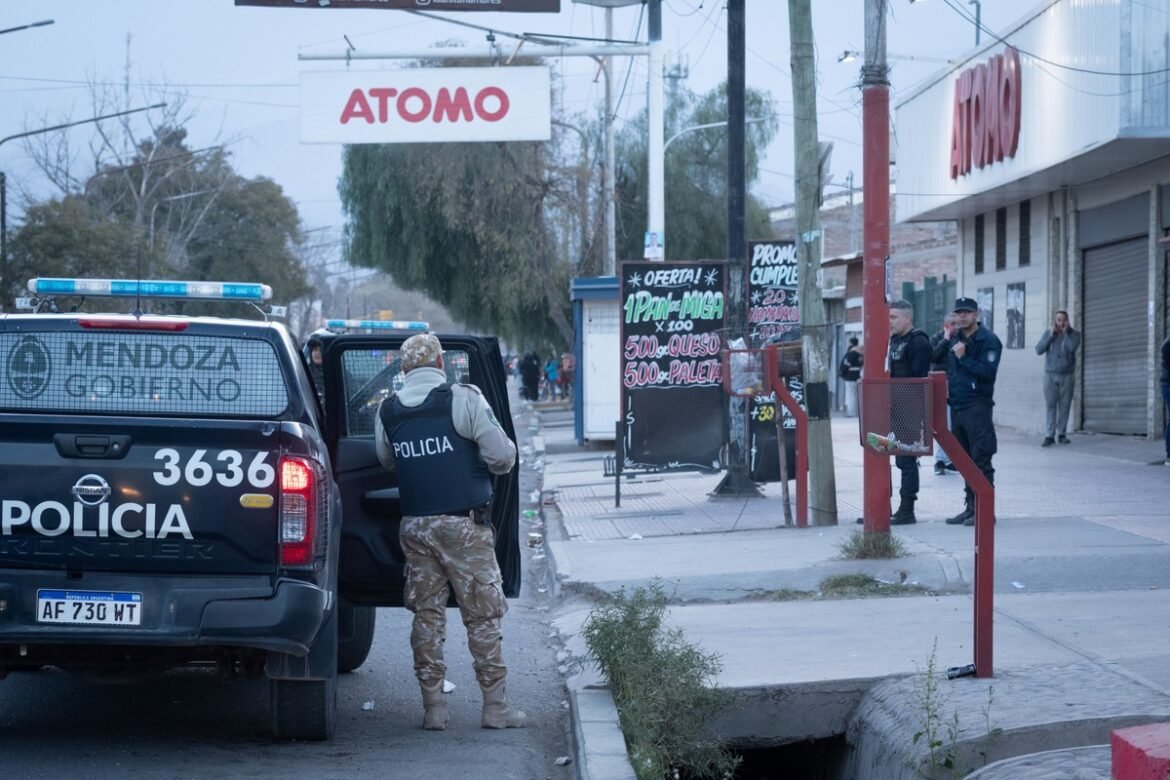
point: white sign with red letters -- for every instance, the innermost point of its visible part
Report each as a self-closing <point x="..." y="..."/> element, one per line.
<point x="426" y="105"/>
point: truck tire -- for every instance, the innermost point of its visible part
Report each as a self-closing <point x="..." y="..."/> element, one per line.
<point x="304" y="709"/>
<point x="355" y="635"/>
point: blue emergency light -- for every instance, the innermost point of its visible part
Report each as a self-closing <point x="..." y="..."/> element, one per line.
<point x="149" y="288"/>
<point x="377" y="324"/>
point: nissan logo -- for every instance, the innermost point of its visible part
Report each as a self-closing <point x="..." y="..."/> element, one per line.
<point x="91" y="490"/>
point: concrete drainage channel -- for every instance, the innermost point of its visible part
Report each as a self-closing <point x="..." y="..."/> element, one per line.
<point x="865" y="729"/>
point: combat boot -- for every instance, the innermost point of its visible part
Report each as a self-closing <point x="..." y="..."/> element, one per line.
<point x="434" y="706"/>
<point x="497" y="712"/>
<point x="968" y="513"/>
<point x="905" y="513"/>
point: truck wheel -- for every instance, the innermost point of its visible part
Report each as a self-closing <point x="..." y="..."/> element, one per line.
<point x="304" y="709"/>
<point x="355" y="635"/>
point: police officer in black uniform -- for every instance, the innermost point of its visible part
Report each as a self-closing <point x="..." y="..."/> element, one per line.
<point x="972" y="354"/>
<point x="909" y="356"/>
<point x="315" y="354"/>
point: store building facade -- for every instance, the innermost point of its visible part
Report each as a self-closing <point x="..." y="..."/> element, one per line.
<point x="1050" y="147"/>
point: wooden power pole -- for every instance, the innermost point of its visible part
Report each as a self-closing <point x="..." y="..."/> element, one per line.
<point x="809" y="173"/>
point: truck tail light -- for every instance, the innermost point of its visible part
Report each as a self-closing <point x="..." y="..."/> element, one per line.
<point x="298" y="510"/>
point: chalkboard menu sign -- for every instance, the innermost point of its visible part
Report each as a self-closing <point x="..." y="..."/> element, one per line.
<point x="773" y="316"/>
<point x="673" y="401"/>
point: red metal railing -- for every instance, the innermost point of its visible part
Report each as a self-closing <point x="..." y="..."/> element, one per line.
<point x="899" y="417"/>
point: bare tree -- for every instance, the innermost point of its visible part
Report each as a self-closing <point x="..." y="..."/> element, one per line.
<point x="136" y="167"/>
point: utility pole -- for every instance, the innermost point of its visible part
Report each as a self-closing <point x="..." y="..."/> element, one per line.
<point x="736" y="482"/>
<point x="852" y="213"/>
<point x="610" y="159"/>
<point x="875" y="121"/>
<point x="656" y="189"/>
<point x="809" y="173"/>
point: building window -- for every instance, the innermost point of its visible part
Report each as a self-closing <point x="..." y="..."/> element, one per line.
<point x="979" y="244"/>
<point x="1000" y="239"/>
<point x="1025" y="233"/>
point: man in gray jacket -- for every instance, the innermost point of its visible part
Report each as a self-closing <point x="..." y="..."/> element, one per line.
<point x="1058" y="345"/>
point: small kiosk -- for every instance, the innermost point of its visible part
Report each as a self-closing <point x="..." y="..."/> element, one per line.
<point x="596" y="383"/>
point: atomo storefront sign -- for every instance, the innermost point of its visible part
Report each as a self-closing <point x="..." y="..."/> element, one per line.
<point x="426" y="105"/>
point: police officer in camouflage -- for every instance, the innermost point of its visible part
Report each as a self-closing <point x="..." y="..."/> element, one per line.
<point x="444" y="442"/>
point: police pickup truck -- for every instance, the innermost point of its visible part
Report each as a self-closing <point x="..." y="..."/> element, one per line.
<point x="173" y="493"/>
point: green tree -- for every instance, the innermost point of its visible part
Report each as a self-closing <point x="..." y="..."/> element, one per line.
<point x="695" y="176"/>
<point x="165" y="212"/>
<point x="70" y="237"/>
<point x="466" y="223"/>
<point x="250" y="233"/>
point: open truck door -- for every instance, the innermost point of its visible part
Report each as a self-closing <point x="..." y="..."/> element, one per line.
<point x="360" y="372"/>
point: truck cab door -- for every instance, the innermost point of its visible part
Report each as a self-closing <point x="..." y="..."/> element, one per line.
<point x="360" y="372"/>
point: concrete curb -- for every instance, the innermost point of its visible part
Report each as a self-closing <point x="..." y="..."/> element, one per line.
<point x="599" y="746"/>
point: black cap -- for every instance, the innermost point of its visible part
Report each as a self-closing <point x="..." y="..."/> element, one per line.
<point x="965" y="304"/>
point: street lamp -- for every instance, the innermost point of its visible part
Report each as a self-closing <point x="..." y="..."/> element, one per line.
<point x="684" y="131"/>
<point x="42" y="23"/>
<point x="849" y="55"/>
<point x="4" y="180"/>
<point x="978" y="15"/>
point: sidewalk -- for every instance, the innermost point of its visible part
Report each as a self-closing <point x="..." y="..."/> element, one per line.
<point x="1082" y="621"/>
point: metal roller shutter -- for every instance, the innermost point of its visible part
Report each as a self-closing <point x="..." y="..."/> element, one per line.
<point x="1114" y="349"/>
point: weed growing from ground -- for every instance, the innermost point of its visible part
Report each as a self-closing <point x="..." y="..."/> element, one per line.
<point x="661" y="685"/>
<point x="872" y="545"/>
<point x="931" y="701"/>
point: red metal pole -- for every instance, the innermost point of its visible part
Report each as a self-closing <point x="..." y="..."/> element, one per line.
<point x="776" y="383"/>
<point x="984" y="525"/>
<point x="783" y="396"/>
<point x="875" y="112"/>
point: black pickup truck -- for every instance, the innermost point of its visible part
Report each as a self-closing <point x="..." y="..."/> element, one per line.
<point x="172" y="493"/>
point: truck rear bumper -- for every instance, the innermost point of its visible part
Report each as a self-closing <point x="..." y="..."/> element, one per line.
<point x="222" y="611"/>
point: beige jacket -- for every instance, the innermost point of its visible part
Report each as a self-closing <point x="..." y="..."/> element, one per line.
<point x="470" y="412"/>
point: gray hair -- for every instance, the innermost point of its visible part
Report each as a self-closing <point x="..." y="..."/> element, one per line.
<point x="901" y="304"/>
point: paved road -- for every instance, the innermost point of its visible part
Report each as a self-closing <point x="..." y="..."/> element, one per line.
<point x="191" y="724"/>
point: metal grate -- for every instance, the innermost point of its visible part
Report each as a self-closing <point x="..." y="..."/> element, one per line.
<point x="140" y="373"/>
<point x="895" y="416"/>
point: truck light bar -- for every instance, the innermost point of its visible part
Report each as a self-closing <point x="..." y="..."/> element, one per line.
<point x="378" y="324"/>
<point x="147" y="288"/>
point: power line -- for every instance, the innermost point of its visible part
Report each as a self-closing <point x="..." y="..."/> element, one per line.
<point x="629" y="68"/>
<point x="155" y="84"/>
<point x="694" y="10"/>
<point x="1091" y="71"/>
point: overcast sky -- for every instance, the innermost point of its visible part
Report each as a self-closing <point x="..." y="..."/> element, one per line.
<point x="239" y="69"/>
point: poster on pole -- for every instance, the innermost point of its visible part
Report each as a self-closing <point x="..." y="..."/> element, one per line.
<point x="773" y="316"/>
<point x="673" y="403"/>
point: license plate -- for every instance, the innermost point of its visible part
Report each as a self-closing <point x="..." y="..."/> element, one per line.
<point x="88" y="607"/>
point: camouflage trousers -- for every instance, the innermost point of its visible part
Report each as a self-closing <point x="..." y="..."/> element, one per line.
<point x="445" y="551"/>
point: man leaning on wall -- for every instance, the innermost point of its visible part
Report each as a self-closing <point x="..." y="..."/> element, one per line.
<point x="1059" y="346"/>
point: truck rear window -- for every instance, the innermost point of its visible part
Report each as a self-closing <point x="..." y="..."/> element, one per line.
<point x="150" y="373"/>
<point x="372" y="375"/>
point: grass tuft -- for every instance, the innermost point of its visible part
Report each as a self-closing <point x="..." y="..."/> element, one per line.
<point x="662" y="687"/>
<point x="872" y="545"/>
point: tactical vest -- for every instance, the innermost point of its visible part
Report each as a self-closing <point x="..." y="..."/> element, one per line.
<point x="439" y="471"/>
<point x="899" y="352"/>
